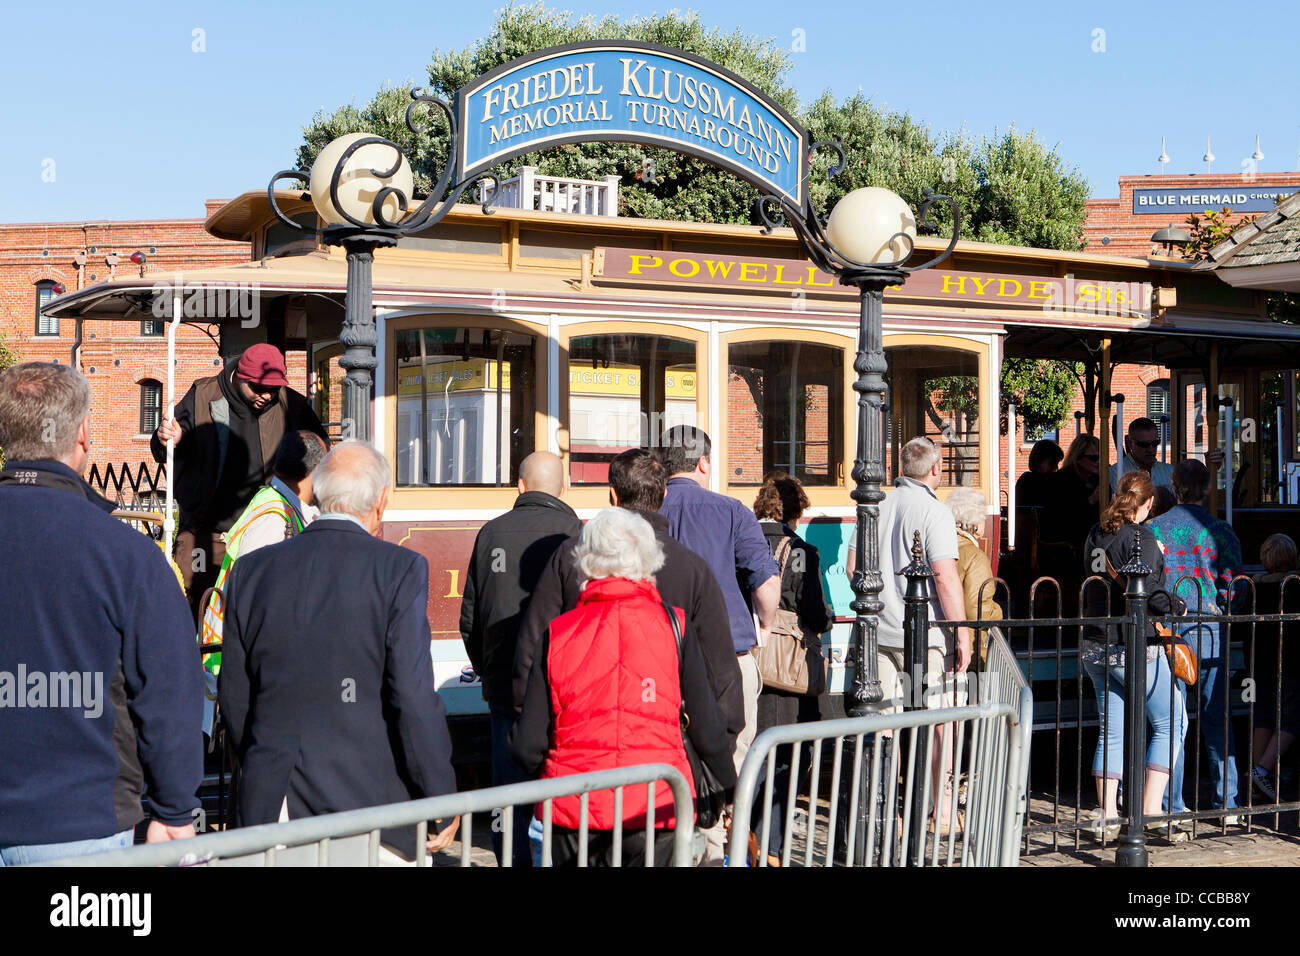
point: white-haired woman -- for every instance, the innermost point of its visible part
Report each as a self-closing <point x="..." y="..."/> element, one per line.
<point x="607" y="690"/>
<point x="969" y="509"/>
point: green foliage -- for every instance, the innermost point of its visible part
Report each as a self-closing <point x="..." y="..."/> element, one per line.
<point x="1208" y="231"/>
<point x="1026" y="195"/>
<point x="1284" y="307"/>
<point x="1010" y="187"/>
<point x="1045" y="388"/>
<point x="685" y="189"/>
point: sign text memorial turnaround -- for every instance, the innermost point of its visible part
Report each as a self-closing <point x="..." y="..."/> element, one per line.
<point x="632" y="92"/>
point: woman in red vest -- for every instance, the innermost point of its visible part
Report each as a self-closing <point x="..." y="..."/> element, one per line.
<point x="607" y="690"/>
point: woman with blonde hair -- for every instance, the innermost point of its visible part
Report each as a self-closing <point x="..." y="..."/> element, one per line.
<point x="1071" y="497"/>
<point x="1119" y="537"/>
<point x="969" y="509"/>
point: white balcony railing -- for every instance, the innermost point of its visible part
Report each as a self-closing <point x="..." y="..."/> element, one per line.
<point x="579" y="197"/>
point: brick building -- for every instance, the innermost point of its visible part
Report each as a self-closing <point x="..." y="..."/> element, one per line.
<point x="1123" y="225"/>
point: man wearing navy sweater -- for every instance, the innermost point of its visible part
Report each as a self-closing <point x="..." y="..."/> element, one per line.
<point x="101" y="693"/>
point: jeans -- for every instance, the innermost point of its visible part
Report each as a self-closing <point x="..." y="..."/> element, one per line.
<point x="1168" y="723"/>
<point x="505" y="771"/>
<point x="43" y="852"/>
<point x="1212" y="685"/>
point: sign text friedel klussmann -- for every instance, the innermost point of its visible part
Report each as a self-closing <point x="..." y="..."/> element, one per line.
<point x="629" y="92"/>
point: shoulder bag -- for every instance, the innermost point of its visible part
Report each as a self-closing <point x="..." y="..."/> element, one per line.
<point x="791" y="658"/>
<point x="1182" y="659"/>
<point x="710" y="795"/>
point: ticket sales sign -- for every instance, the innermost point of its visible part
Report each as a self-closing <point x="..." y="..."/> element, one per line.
<point x="631" y="92"/>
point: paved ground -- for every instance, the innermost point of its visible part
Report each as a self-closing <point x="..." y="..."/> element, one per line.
<point x="1213" y="845"/>
<point x="1260" y="846"/>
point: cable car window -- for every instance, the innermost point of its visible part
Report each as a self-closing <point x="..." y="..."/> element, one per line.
<point x="785" y="404"/>
<point x="625" y="391"/>
<point x="466" y="400"/>
<point x="935" y="392"/>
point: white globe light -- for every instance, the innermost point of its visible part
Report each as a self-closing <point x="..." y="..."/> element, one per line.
<point x="866" y="224"/>
<point x="358" y="185"/>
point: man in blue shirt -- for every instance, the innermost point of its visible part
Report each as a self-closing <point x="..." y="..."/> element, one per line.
<point x="727" y="536"/>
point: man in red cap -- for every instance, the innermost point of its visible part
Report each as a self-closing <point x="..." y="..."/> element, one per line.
<point x="226" y="431"/>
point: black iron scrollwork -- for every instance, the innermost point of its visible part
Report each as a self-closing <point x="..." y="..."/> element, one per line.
<point x="445" y="194"/>
<point x="810" y="225"/>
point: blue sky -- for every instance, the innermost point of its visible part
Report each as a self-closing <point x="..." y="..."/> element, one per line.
<point x="132" y="123"/>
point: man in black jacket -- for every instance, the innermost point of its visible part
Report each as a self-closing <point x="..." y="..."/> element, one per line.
<point x="509" y="555"/>
<point x="101" y="688"/>
<point x="226" y="431"/>
<point x="637" y="481"/>
<point x="327" y="685"/>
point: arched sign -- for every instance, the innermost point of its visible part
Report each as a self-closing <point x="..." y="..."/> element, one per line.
<point x="635" y="92"/>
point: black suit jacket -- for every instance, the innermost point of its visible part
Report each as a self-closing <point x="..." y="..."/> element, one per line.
<point x="326" y="680"/>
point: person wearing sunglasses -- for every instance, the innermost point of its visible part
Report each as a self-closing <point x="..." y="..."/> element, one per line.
<point x="226" y="429"/>
<point x="1141" y="451"/>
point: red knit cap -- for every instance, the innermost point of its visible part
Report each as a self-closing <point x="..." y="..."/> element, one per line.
<point x="262" y="364"/>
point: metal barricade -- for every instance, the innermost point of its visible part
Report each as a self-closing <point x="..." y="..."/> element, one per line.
<point x="989" y="739"/>
<point x="352" y="838"/>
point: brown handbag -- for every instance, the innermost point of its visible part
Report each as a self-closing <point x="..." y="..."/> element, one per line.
<point x="1182" y="659"/>
<point x="783" y="661"/>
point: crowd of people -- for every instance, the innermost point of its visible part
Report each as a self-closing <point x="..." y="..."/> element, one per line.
<point x="1159" y="511"/>
<point x="634" y="638"/>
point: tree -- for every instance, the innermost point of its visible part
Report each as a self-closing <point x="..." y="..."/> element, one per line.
<point x="685" y="189"/>
<point x="1044" y="390"/>
<point x="1010" y="187"/>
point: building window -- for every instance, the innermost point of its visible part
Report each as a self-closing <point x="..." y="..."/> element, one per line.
<point x="466" y="404"/>
<point x="150" y="406"/>
<point x="626" y="391"/>
<point x="1158" y="408"/>
<point x="785" y="405"/>
<point x="45" y="325"/>
<point x="153" y="327"/>
<point x="280" y="240"/>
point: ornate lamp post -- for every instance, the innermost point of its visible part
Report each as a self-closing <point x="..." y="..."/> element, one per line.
<point x="867" y="241"/>
<point x="362" y="187"/>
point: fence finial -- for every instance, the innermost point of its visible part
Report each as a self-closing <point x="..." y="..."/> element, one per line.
<point x="917" y="568"/>
<point x="1135" y="566"/>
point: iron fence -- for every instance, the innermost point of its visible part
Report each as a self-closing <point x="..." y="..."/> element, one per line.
<point x="1241" y="712"/>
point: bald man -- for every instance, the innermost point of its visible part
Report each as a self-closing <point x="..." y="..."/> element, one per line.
<point x="509" y="555"/>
